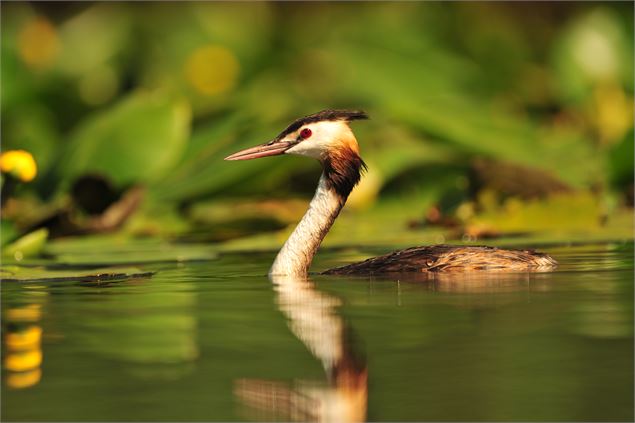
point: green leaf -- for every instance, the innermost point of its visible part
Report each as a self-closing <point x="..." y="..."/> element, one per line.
<point x="27" y="246"/>
<point x="104" y="250"/>
<point x="137" y="140"/>
<point x="43" y="274"/>
<point x="621" y="161"/>
<point x="8" y="232"/>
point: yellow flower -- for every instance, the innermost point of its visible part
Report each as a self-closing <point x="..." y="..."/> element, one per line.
<point x="18" y="163"/>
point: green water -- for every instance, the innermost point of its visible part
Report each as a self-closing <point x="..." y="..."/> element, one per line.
<point x="216" y="340"/>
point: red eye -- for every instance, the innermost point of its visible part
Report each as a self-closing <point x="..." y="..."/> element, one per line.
<point x="305" y="133"/>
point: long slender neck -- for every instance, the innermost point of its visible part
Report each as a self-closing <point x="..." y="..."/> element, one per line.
<point x="294" y="259"/>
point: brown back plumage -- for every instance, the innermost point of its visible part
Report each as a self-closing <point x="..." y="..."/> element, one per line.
<point x="448" y="258"/>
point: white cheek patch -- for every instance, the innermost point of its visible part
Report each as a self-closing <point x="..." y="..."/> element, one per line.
<point x="307" y="148"/>
<point x="324" y="136"/>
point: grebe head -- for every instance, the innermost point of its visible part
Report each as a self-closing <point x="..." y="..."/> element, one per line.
<point x="322" y="135"/>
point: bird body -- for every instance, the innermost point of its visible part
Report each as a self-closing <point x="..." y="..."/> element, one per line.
<point x="449" y="258"/>
<point x="327" y="137"/>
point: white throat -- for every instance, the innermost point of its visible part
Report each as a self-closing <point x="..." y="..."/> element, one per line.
<point x="294" y="259"/>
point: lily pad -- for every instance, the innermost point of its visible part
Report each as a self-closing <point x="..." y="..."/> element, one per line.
<point x="115" y="250"/>
<point x="44" y="274"/>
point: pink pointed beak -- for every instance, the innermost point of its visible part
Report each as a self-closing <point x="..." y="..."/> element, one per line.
<point x="273" y="148"/>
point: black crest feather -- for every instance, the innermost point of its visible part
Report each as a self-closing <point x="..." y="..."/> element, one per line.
<point x="324" y="115"/>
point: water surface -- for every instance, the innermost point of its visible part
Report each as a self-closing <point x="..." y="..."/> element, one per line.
<point x="217" y="340"/>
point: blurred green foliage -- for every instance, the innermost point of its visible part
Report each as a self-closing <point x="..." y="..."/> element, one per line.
<point x="158" y="93"/>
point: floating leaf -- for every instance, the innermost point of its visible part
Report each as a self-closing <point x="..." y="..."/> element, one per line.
<point x="43" y="274"/>
<point x="109" y="250"/>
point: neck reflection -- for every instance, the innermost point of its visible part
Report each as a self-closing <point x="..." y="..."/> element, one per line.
<point x="313" y="319"/>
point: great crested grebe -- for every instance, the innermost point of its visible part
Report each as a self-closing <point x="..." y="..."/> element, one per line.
<point x="327" y="137"/>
